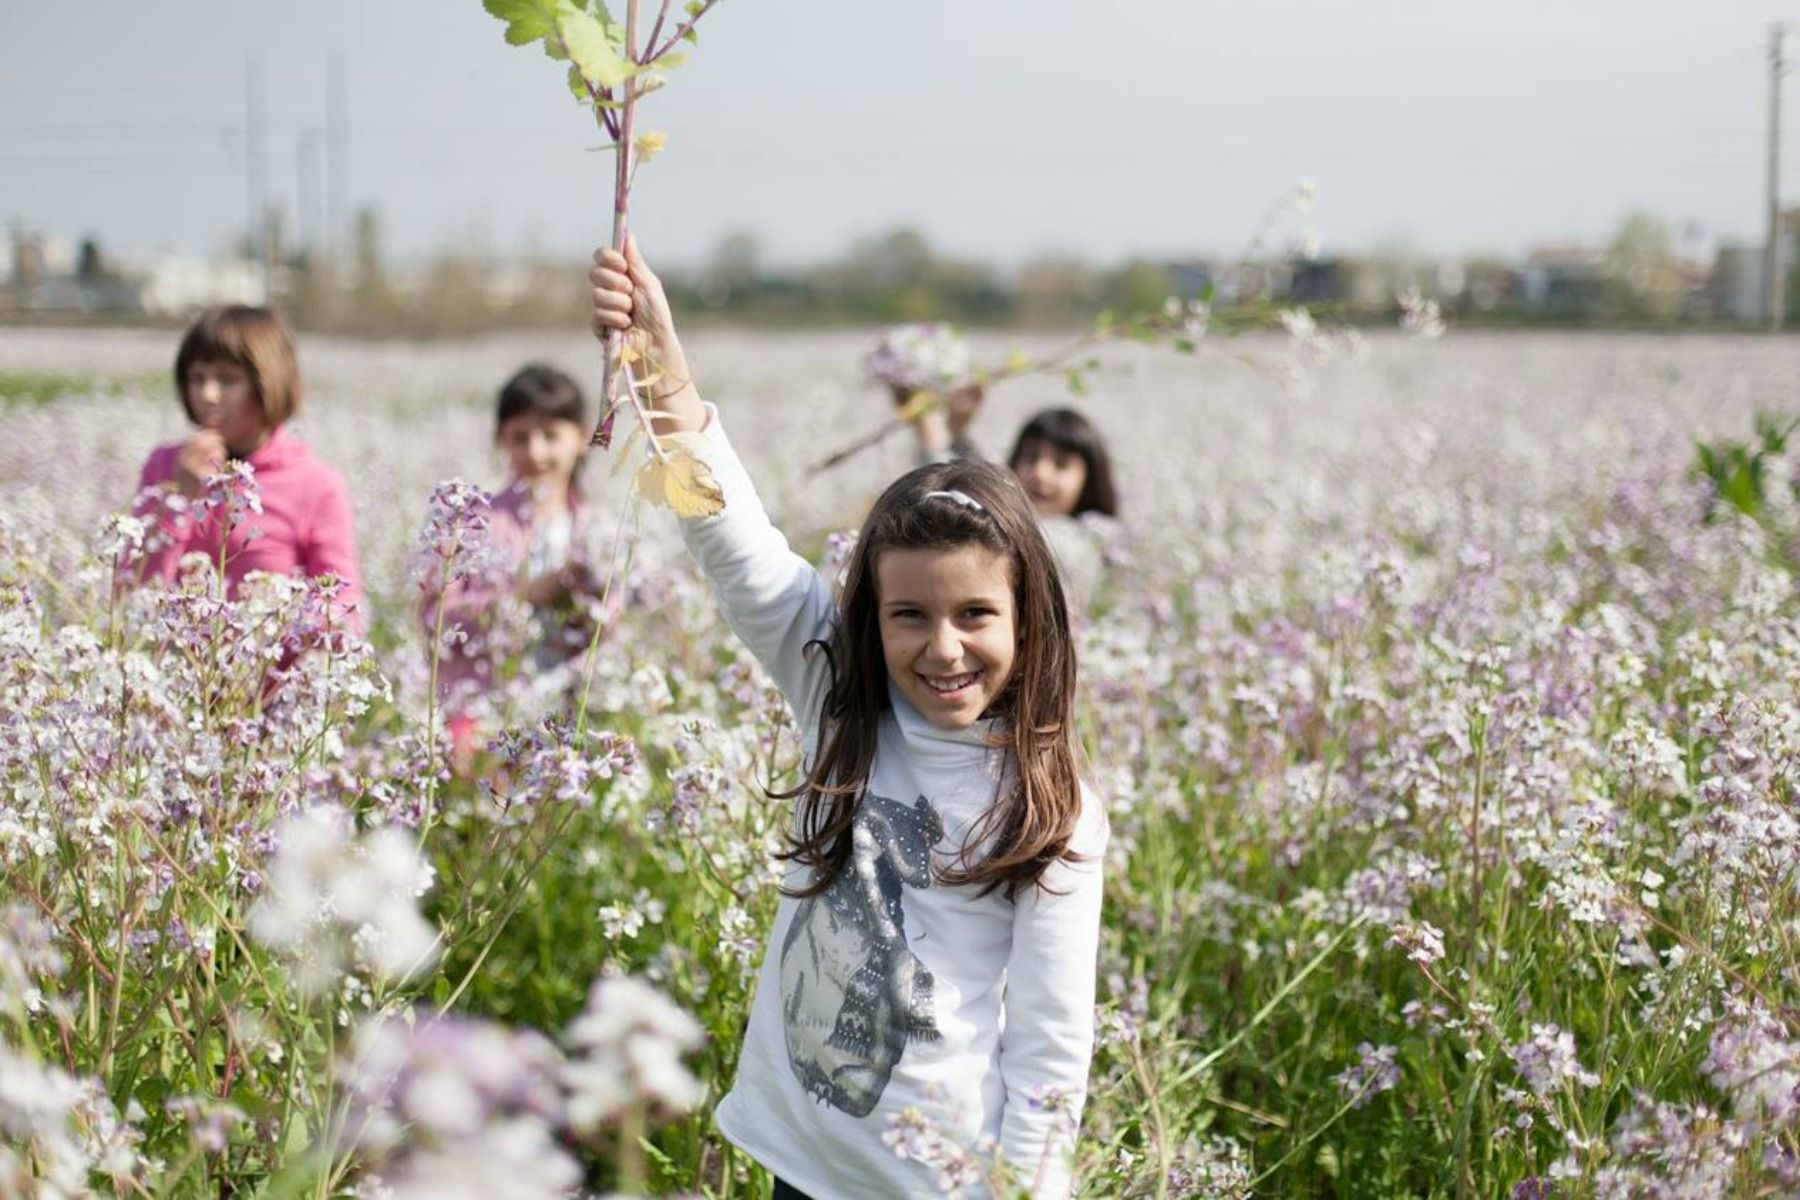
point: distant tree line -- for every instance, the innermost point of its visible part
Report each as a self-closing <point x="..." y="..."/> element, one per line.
<point x="1642" y="276"/>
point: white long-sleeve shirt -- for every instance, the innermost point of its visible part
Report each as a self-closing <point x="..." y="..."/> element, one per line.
<point x="890" y="991"/>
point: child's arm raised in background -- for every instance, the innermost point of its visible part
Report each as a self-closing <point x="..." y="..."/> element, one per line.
<point x="773" y="599"/>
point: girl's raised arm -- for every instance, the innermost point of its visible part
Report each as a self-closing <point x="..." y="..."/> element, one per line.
<point x="627" y="295"/>
<point x="774" y="600"/>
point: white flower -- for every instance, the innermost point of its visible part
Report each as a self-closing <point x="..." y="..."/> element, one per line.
<point x="1420" y="316"/>
<point x="626" y="1048"/>
<point x="329" y="891"/>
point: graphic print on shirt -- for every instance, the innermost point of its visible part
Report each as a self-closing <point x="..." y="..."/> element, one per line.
<point x="853" y="992"/>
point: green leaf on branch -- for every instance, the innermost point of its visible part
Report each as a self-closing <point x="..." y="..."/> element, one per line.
<point x="527" y="21"/>
<point x="590" y="48"/>
<point x="1076" y="383"/>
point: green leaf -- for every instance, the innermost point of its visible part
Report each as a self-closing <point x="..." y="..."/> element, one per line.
<point x="589" y="47"/>
<point x="527" y="21"/>
<point x="578" y="86"/>
<point x="671" y="60"/>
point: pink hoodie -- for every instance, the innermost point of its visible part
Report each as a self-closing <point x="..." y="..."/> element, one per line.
<point x="465" y="670"/>
<point x="305" y="523"/>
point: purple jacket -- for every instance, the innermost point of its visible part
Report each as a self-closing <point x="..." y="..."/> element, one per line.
<point x="468" y="608"/>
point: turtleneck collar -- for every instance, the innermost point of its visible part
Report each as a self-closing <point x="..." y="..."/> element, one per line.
<point x="926" y="743"/>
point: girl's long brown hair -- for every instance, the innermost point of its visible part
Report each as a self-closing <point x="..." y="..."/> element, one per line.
<point x="1029" y="825"/>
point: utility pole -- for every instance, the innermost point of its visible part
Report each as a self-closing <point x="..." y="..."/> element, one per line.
<point x="337" y="158"/>
<point x="307" y="156"/>
<point x="1772" y="281"/>
<point x="256" y="166"/>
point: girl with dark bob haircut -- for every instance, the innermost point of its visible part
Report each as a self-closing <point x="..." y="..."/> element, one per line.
<point x="238" y="381"/>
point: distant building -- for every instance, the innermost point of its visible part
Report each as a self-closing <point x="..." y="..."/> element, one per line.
<point x="1339" y="280"/>
<point x="175" y="286"/>
<point x="1563" y="279"/>
<point x="1738" y="281"/>
<point x="1489" y="284"/>
<point x="1738" y="273"/>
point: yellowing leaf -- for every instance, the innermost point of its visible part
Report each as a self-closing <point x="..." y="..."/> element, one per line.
<point x="683" y="484"/>
<point x="918" y="404"/>
<point x="1018" y="362"/>
<point x="589" y="47"/>
<point x="649" y="145"/>
<point x="625" y="451"/>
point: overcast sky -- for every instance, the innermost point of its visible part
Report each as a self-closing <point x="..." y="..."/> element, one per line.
<point x="1003" y="128"/>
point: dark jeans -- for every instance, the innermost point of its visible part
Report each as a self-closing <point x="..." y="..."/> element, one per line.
<point x="787" y="1191"/>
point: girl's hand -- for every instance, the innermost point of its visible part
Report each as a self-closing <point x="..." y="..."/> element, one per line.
<point x="549" y="590"/>
<point x="628" y="295"/>
<point x="960" y="407"/>
<point x="201" y="457"/>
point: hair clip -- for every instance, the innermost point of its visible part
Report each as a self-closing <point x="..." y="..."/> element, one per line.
<point x="962" y="498"/>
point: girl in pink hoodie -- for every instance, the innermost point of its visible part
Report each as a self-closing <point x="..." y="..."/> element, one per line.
<point x="538" y="536"/>
<point x="239" y="382"/>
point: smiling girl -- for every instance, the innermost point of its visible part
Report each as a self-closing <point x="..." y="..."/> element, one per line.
<point x="930" y="977"/>
<point x="1061" y="461"/>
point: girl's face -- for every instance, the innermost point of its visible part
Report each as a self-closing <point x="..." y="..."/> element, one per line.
<point x="948" y="632"/>
<point x="542" y="449"/>
<point x="1053" y="477"/>
<point x="222" y="396"/>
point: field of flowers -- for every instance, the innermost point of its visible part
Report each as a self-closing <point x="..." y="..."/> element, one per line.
<point x="1449" y="735"/>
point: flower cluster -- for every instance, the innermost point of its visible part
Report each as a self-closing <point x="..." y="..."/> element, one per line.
<point x="450" y="1107"/>
<point x="332" y="899"/>
<point x="1441" y="734"/>
<point x="918" y="357"/>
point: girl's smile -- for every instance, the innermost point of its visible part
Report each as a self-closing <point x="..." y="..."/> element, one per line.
<point x="1052" y="476"/>
<point x="948" y="633"/>
<point x="542" y="449"/>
